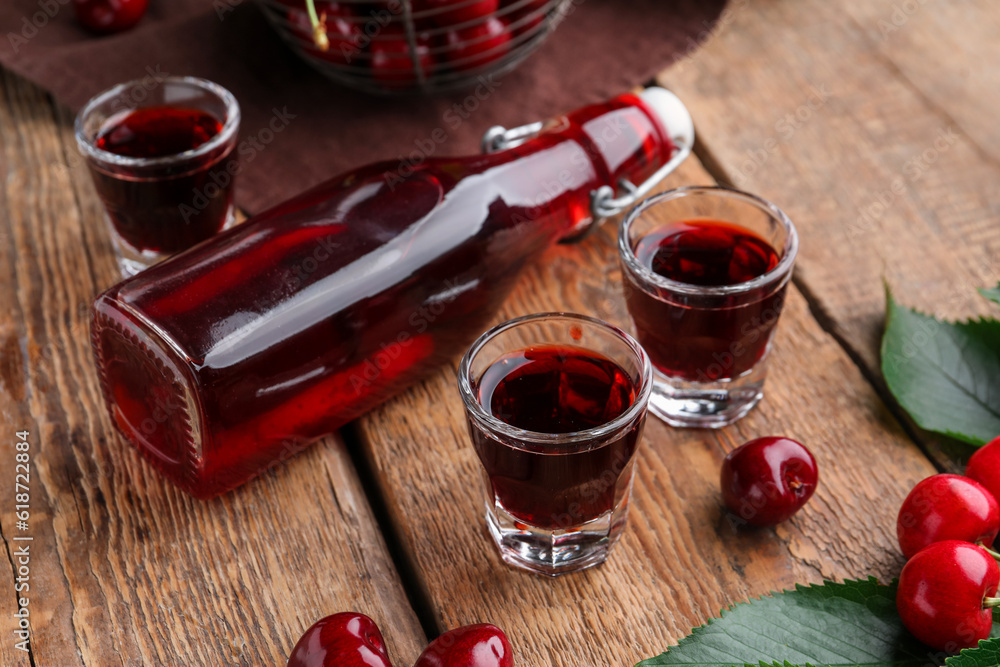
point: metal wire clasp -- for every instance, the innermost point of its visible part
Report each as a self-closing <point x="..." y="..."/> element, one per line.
<point x="603" y="201"/>
<point x="499" y="138"/>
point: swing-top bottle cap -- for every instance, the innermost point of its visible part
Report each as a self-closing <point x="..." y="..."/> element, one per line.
<point x="672" y="114"/>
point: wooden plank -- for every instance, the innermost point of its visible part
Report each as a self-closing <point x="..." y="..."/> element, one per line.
<point x="126" y="569"/>
<point x="680" y="559"/>
<point x="947" y="51"/>
<point x="873" y="124"/>
<point x="14" y="417"/>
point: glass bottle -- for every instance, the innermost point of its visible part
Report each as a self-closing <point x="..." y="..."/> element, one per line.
<point x="232" y="356"/>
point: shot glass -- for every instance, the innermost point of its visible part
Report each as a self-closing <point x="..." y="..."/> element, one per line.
<point x="555" y="404"/>
<point x="161" y="157"/>
<point x="705" y="270"/>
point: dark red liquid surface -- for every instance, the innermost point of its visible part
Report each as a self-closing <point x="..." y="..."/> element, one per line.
<point x="709" y="254"/>
<point x="555" y="389"/>
<point x="172" y="207"/>
<point x="157" y="132"/>
<point x="692" y="339"/>
<point x="290" y="325"/>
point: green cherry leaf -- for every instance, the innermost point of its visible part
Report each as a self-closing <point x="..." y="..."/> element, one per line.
<point x="991" y="293"/>
<point x="945" y="375"/>
<point x="833" y="625"/>
<point x="987" y="655"/>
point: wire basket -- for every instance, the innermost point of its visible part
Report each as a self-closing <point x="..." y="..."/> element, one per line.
<point x="400" y="47"/>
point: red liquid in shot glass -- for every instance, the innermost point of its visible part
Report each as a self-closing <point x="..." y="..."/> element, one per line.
<point x="172" y="212"/>
<point x="705" y="344"/>
<point x="157" y="132"/>
<point x="557" y="389"/>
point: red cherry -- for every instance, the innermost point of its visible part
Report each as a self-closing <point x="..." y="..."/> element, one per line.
<point x="523" y="6"/>
<point x="391" y="62"/>
<point x="478" y="45"/>
<point x="343" y="34"/>
<point x="767" y="480"/>
<point x="521" y="25"/>
<point x="984" y="467"/>
<point x="526" y="16"/>
<point x="106" y="16"/>
<point x="342" y="640"/>
<point x="947" y="507"/>
<point x="945" y="595"/>
<point x="472" y="646"/>
<point x="455" y="12"/>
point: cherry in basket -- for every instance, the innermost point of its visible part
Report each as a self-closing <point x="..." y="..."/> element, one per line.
<point x="525" y="15"/>
<point x="478" y="45"/>
<point x="391" y="62"/>
<point x="448" y="13"/>
<point x="336" y="39"/>
<point x="107" y="16"/>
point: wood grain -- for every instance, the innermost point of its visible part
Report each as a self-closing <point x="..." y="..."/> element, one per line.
<point x="126" y="569"/>
<point x="817" y="106"/>
<point x="873" y="125"/>
<point x="682" y="558"/>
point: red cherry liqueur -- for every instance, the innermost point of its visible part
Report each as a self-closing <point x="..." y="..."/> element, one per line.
<point x="557" y="389"/>
<point x="228" y="358"/>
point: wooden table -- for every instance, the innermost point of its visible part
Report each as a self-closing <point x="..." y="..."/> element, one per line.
<point x="873" y="123"/>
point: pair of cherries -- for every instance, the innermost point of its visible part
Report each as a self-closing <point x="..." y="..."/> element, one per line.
<point x="947" y="523"/>
<point x="353" y="640"/>
<point x="773" y="477"/>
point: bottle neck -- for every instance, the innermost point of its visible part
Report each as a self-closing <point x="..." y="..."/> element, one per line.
<point x="597" y="145"/>
<point x="623" y="137"/>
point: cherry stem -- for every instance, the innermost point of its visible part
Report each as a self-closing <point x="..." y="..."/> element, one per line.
<point x="990" y="603"/>
<point x="991" y="552"/>
<point x="319" y="30"/>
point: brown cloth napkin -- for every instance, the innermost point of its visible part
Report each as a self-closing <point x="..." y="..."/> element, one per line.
<point x="604" y="47"/>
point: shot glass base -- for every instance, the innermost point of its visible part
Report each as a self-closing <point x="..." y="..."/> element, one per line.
<point x="705" y="404"/>
<point x="552" y="552"/>
<point x="132" y="260"/>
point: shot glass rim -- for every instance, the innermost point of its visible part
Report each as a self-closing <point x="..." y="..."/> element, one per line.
<point x="780" y="270"/>
<point x="229" y="129"/>
<point x="475" y="408"/>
